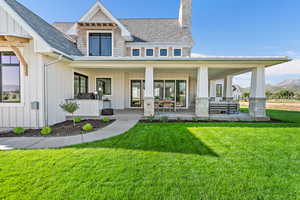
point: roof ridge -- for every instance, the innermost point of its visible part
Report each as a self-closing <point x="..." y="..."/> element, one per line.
<point x="149" y="18"/>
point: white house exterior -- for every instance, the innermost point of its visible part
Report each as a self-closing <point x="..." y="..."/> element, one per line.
<point x="133" y="62"/>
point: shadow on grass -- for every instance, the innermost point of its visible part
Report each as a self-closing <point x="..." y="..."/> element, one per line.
<point x="156" y="138"/>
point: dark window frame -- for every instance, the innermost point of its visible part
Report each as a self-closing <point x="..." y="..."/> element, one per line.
<point x="105" y="93"/>
<point x="163" y="49"/>
<point x="79" y="86"/>
<point x="176" y="49"/>
<point x="133" y="51"/>
<point x="152" y="50"/>
<point x="1" y="81"/>
<point x="100" y="34"/>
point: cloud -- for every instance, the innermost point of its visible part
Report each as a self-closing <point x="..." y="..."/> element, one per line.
<point x="197" y="55"/>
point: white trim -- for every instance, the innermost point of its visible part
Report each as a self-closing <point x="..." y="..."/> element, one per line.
<point x="111" y="85"/>
<point x="140" y="50"/>
<point x="99" y="31"/>
<point x="98" y="5"/>
<point x="153" y="49"/>
<point x="163" y="56"/>
<point x="173" y="52"/>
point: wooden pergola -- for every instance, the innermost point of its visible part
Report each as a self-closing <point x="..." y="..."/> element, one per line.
<point x="14" y="42"/>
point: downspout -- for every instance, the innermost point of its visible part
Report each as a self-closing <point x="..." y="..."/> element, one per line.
<point x="45" y="70"/>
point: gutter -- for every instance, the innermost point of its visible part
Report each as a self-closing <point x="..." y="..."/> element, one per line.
<point x="45" y="74"/>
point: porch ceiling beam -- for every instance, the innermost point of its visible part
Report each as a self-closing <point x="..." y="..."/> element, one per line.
<point x="16" y="39"/>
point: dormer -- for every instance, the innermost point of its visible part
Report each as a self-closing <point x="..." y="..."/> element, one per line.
<point x="99" y="33"/>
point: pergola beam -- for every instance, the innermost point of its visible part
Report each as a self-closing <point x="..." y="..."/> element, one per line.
<point x="13" y="42"/>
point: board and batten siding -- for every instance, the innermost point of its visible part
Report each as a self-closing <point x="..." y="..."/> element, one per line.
<point x="21" y="114"/>
<point x="9" y="25"/>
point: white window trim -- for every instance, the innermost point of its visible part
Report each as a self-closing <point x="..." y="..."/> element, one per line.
<point x="153" y="49"/>
<point x="140" y="49"/>
<point x="22" y="82"/>
<point x="111" y="86"/>
<point x="161" y="55"/>
<point x="99" y="31"/>
<point x="173" y="51"/>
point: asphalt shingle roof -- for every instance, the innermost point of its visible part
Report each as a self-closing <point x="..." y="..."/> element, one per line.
<point x="51" y="35"/>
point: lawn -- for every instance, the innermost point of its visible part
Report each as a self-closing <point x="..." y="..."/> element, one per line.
<point x="233" y="161"/>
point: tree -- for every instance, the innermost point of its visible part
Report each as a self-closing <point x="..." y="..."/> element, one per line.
<point x="246" y="95"/>
<point x="269" y="94"/>
<point x="70" y="107"/>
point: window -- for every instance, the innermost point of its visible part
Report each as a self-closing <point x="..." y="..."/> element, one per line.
<point x="136" y="52"/>
<point x="80" y="84"/>
<point x="103" y="85"/>
<point x="100" y="44"/>
<point x="177" y="52"/>
<point x="149" y="52"/>
<point x="10" y="90"/>
<point x="219" y="92"/>
<point x="163" y="52"/>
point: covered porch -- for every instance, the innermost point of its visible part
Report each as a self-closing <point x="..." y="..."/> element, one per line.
<point x="182" y="88"/>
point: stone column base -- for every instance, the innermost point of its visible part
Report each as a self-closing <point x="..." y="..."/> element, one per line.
<point x="149" y="106"/>
<point x="202" y="107"/>
<point x="257" y="108"/>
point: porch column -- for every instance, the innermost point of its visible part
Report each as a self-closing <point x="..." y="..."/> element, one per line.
<point x="257" y="100"/>
<point x="212" y="89"/>
<point x="202" y="99"/>
<point x="228" y="93"/>
<point x="149" y="94"/>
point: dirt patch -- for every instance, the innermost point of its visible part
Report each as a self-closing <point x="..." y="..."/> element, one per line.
<point x="62" y="129"/>
<point x="280" y="106"/>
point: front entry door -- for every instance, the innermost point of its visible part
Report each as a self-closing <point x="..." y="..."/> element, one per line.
<point x="137" y="93"/>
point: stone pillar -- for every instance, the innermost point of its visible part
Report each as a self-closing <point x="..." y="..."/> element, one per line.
<point x="228" y="93"/>
<point x="149" y="93"/>
<point x="257" y="100"/>
<point x="202" y="100"/>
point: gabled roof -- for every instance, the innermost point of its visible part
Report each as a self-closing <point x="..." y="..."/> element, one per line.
<point x="98" y="6"/>
<point x="53" y="37"/>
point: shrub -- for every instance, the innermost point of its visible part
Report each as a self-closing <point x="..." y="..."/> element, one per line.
<point x="77" y="119"/>
<point x="164" y="119"/>
<point x="18" y="130"/>
<point x="46" y="130"/>
<point x="195" y="119"/>
<point x="178" y="119"/>
<point x="106" y="119"/>
<point x="70" y="107"/>
<point x="88" y="127"/>
<point x="151" y="118"/>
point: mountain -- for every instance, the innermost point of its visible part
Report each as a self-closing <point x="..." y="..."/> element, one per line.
<point x="289" y="84"/>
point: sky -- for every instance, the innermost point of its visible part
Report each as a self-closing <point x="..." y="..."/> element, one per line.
<point x="220" y="27"/>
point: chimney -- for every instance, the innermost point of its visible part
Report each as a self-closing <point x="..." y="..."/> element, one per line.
<point x="185" y="14"/>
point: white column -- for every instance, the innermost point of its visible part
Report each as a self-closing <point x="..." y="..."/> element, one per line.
<point x="257" y="100"/>
<point x="149" y="94"/>
<point x="228" y="93"/>
<point x="213" y="88"/>
<point x="202" y="99"/>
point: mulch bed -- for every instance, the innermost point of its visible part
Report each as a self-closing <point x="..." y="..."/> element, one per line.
<point x="62" y="129"/>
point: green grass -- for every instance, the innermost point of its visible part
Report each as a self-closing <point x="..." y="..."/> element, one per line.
<point x="233" y="161"/>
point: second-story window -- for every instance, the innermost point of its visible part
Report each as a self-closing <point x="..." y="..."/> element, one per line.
<point x="100" y="44"/>
<point x="149" y="52"/>
<point x="136" y="52"/>
<point x="177" y="52"/>
<point x="163" y="52"/>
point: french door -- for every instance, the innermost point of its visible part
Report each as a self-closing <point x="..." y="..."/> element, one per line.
<point x="173" y="90"/>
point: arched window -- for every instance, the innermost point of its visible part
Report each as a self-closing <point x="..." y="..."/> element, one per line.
<point x="10" y="90"/>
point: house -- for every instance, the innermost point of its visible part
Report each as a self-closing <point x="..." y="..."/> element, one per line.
<point x="132" y="63"/>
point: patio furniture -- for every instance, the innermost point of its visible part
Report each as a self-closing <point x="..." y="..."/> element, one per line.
<point x="223" y="108"/>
